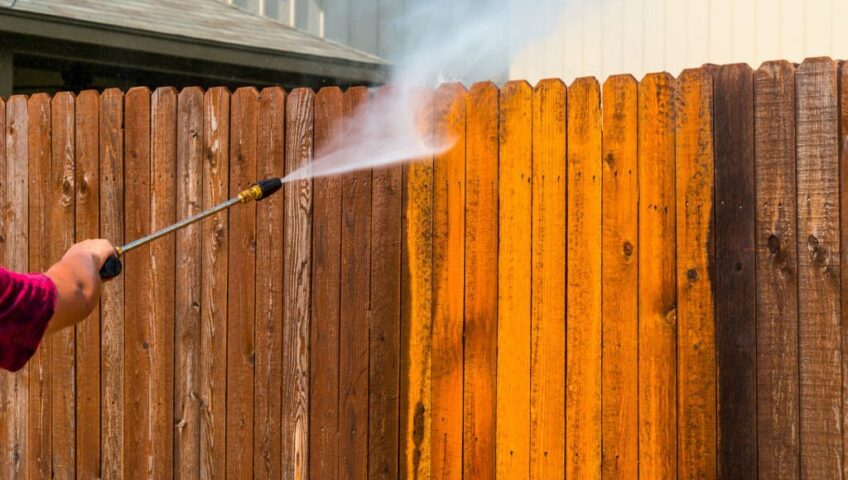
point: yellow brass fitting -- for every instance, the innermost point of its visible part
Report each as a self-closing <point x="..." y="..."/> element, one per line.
<point x="251" y="194"/>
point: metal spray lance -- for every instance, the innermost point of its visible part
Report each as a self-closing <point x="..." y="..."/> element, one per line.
<point x="258" y="191"/>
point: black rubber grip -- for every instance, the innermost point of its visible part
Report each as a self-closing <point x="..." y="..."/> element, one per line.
<point x="269" y="186"/>
<point x="111" y="269"/>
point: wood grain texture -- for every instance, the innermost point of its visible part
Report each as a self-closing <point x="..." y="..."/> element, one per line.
<point x="213" y="295"/>
<point x="514" y="280"/>
<point x="818" y="269"/>
<point x="188" y="281"/>
<point x="87" y="212"/>
<point x="59" y="213"/>
<point x="6" y="379"/>
<point x="241" y="292"/>
<point x="735" y="282"/>
<point x="112" y="300"/>
<point x="384" y="328"/>
<point x="696" y="350"/>
<point x="270" y="162"/>
<point x="620" y="274"/>
<point x="843" y="246"/>
<point x="448" y="275"/>
<point x="778" y="443"/>
<point x="296" y="288"/>
<point x="548" y="322"/>
<point x="326" y="264"/>
<point x="657" y="285"/>
<point x="583" y="371"/>
<point x="481" y="283"/>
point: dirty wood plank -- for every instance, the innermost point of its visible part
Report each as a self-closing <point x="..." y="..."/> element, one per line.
<point x="39" y="148"/>
<point x="481" y="283"/>
<point x="696" y="350"/>
<point x="657" y="286"/>
<point x="354" y="306"/>
<point x="583" y="319"/>
<point x="620" y="307"/>
<point x="59" y="214"/>
<point x="215" y="269"/>
<point x="778" y="447"/>
<point x="87" y="212"/>
<point x="270" y="161"/>
<point x="241" y="300"/>
<point x="818" y="269"/>
<point x="416" y="303"/>
<point x="384" y="329"/>
<point x="548" y="322"/>
<point x="188" y="280"/>
<point x="112" y="301"/>
<point x="326" y="261"/>
<point x="296" y="288"/>
<point x="7" y="394"/>
<point x="514" y="281"/>
<point x="735" y="282"/>
<point x="448" y="275"/>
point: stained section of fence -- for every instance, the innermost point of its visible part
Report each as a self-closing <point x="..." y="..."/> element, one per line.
<point x="594" y="281"/>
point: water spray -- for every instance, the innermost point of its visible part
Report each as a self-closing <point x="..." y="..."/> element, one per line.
<point x="256" y="192"/>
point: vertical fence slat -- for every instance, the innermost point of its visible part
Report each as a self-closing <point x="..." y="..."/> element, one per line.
<point x="296" y="288"/>
<point x="87" y="213"/>
<point x="818" y="268"/>
<point x="326" y="259"/>
<point x="696" y="355"/>
<point x="843" y="246"/>
<point x="548" y="322"/>
<point x="241" y="297"/>
<point x="6" y="379"/>
<point x="188" y="280"/>
<point x="215" y="269"/>
<point x="620" y="307"/>
<point x="269" y="287"/>
<point x="514" y="280"/>
<point x="735" y="324"/>
<point x="778" y="444"/>
<point x="59" y="215"/>
<point x="448" y="274"/>
<point x="112" y="302"/>
<point x="384" y="342"/>
<point x="583" y="370"/>
<point x="416" y="303"/>
<point x="657" y="292"/>
<point x="481" y="288"/>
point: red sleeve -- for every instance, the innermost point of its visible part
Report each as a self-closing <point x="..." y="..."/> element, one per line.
<point x="27" y="303"/>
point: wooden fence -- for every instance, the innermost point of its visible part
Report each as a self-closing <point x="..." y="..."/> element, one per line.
<point x="595" y="281"/>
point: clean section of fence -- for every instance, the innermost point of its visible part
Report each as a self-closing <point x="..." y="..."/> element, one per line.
<point x="595" y="281"/>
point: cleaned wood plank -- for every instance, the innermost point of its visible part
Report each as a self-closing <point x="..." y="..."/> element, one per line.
<point x="448" y="276"/>
<point x="87" y="213"/>
<point x="548" y="322"/>
<point x="514" y="281"/>
<point x="326" y="264"/>
<point x="696" y="350"/>
<point x="270" y="159"/>
<point x="583" y="370"/>
<point x="818" y="269"/>
<point x="735" y="283"/>
<point x="778" y="446"/>
<point x="620" y="272"/>
<point x="481" y="283"/>
<point x="296" y="288"/>
<point x="843" y="245"/>
<point x="215" y="269"/>
<point x="416" y="304"/>
<point x="59" y="213"/>
<point x="188" y="280"/>
<point x="657" y="286"/>
<point x="241" y="294"/>
<point x="112" y="302"/>
<point x="354" y="308"/>
<point x="384" y="328"/>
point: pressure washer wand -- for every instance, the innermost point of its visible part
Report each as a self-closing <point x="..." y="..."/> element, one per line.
<point x="258" y="191"/>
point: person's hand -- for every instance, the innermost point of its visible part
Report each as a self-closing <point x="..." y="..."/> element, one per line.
<point x="78" y="282"/>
